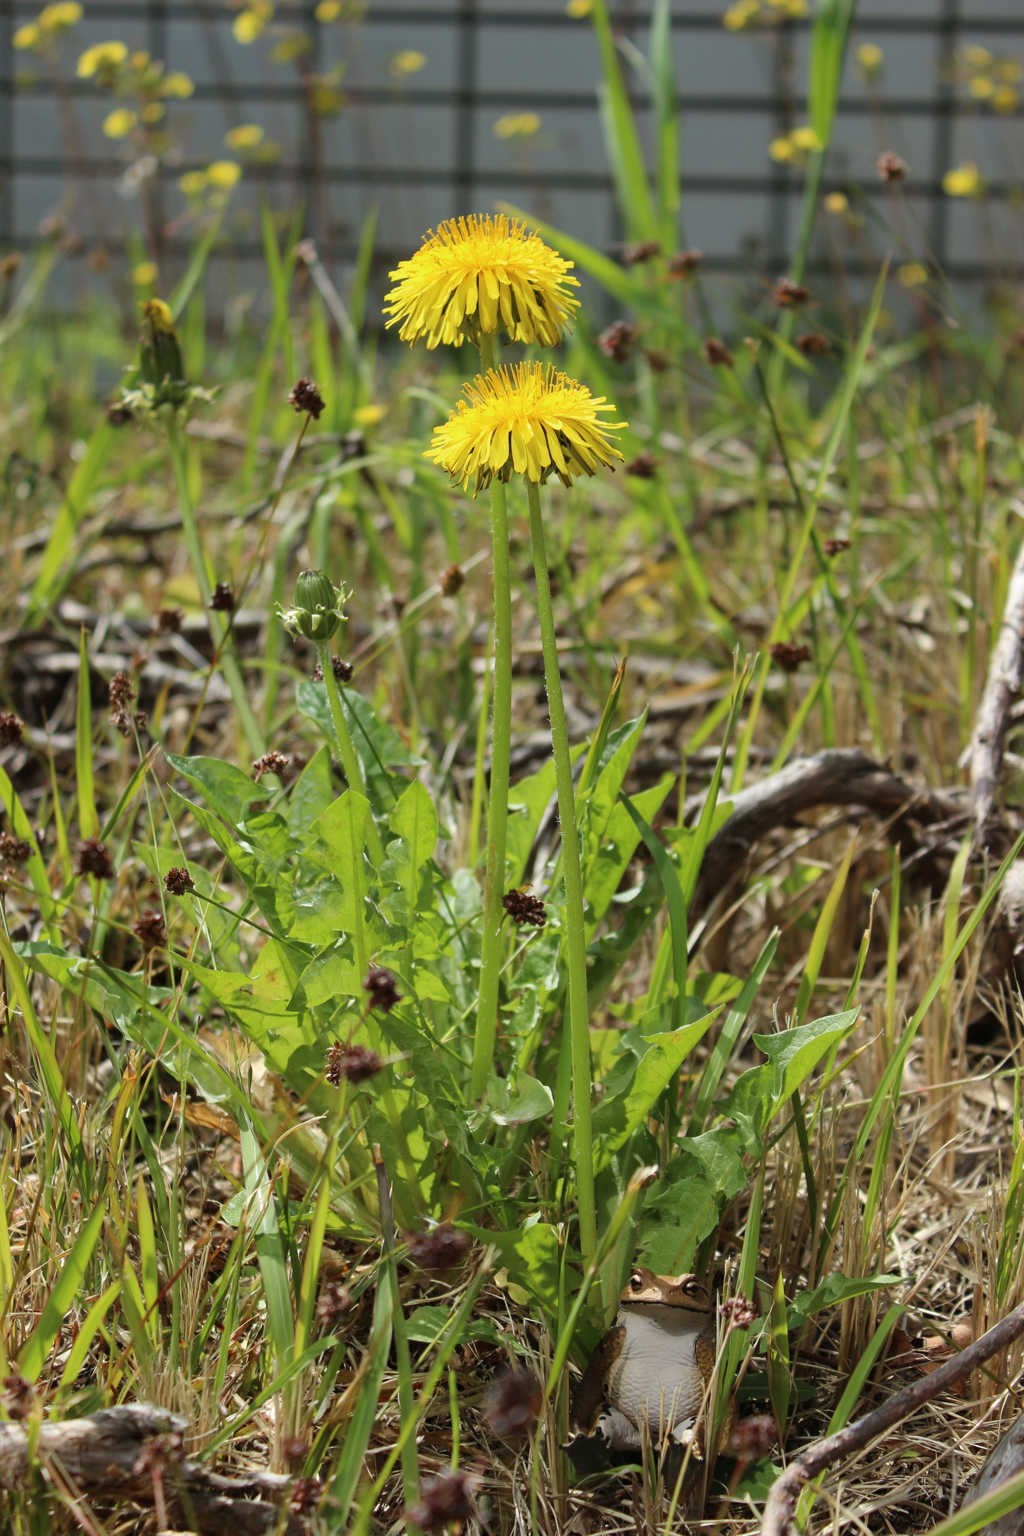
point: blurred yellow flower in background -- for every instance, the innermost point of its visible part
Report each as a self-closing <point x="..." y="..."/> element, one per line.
<point x="579" y="8"/>
<point x="178" y="85"/>
<point x="250" y="23"/>
<point x="119" y="123"/>
<point x="408" y="62"/>
<point x="369" y="415"/>
<point x="193" y="183"/>
<point x="246" y="136"/>
<point x="870" y="58"/>
<point x="912" y="274"/>
<point x="837" y="202"/>
<point x="964" y="181"/>
<point x="223" y="174"/>
<point x="100" y="59"/>
<point x="517" y="125"/>
<point x="145" y="274"/>
<point x="1004" y="99"/>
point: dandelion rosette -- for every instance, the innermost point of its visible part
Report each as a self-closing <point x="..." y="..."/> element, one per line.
<point x="480" y="275"/>
<point x="530" y="419"/>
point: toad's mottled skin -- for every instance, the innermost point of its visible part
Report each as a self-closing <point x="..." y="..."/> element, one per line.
<point x="651" y="1368"/>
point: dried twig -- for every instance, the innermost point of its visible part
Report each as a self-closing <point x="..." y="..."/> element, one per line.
<point x="1001" y="687"/>
<point x="780" y="1509"/>
<point x="112" y="1454"/>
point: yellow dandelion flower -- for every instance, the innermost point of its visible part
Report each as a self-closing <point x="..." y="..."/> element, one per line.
<point x="517" y="125"/>
<point x="979" y="58"/>
<point x="740" y="15"/>
<point x="529" y="419"/>
<point x="964" y="181"/>
<point x="409" y="62"/>
<point x="102" y="57"/>
<point x="837" y="202"/>
<point x="870" y="58"/>
<point x="1009" y="71"/>
<point x="27" y="36"/>
<point x="119" y="123"/>
<point x="140" y="60"/>
<point x="328" y="11"/>
<point x="805" y="138"/>
<point x="153" y="111"/>
<point x="487" y="273"/>
<point x="981" y="87"/>
<point x="912" y="274"/>
<point x="579" y="8"/>
<point x="1004" y="99"/>
<point x="145" y="274"/>
<point x="246" y="136"/>
<point x="369" y="415"/>
<point x="247" y="26"/>
<point x="193" y="183"/>
<point x="178" y="85"/>
<point x="782" y="149"/>
<point x="223" y="174"/>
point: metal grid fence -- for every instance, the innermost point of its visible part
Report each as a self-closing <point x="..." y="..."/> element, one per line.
<point x="423" y="148"/>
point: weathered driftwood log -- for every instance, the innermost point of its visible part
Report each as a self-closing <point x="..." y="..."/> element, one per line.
<point x="985" y="752"/>
<point x="129" y="1453"/>
<point x="842" y="776"/>
<point x="780" y="1509"/>
<point x="1005" y="1461"/>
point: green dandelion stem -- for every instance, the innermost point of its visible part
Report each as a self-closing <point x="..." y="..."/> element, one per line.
<point x="575" y="933"/>
<point x="492" y="947"/>
<point x="349" y="760"/>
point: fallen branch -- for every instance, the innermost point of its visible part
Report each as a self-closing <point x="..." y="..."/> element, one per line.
<point x="132" y="1452"/>
<point x="780" y="1510"/>
<point x="985" y="752"/>
<point x="841" y="776"/>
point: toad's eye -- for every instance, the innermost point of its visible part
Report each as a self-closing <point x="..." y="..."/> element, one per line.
<point x="692" y="1288"/>
<point x="635" y="1283"/>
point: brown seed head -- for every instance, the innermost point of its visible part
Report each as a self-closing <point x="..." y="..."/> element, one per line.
<point x="305" y="1495"/>
<point x="119" y="414"/>
<point x="19" y="1397"/>
<point x="513" y="1404"/>
<point x="644" y="466"/>
<point x="441" y="1248"/>
<point x="307" y="398"/>
<point x="121" y="695"/>
<point x="617" y="341"/>
<point x="178" y="881"/>
<point x="271" y="762"/>
<point x="684" y="263"/>
<point x="452" y="581"/>
<point x="223" y="599"/>
<point x="93" y="858"/>
<point x="169" y="621"/>
<point x="813" y="344"/>
<point x="837" y="545"/>
<point x="9" y="265"/>
<point x="524" y="909"/>
<point x="444" y="1500"/>
<point x="717" y="354"/>
<point x="644" y="250"/>
<point x="789" y="655"/>
<point x="341" y="669"/>
<point x="295" y="1449"/>
<point x="890" y="167"/>
<point x="13" y="850"/>
<point x="353" y="1063"/>
<point x="789" y="295"/>
<point x="332" y="1304"/>
<point x="382" y="987"/>
<point x="752" y="1438"/>
<point x="11" y="729"/>
<point x="150" y="930"/>
<point x="738" y="1311"/>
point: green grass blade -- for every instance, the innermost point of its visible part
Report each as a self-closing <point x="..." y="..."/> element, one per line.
<point x="60" y="544"/>
<point x="729" y="1034"/>
<point x="88" y="1330"/>
<point x="622" y="139"/>
<point x="822" y="929"/>
<point x="269" y="1247"/>
<point x="88" y="820"/>
<point x="666" y="124"/>
<point x="70" y="1284"/>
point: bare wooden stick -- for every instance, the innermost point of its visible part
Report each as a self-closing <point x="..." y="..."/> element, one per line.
<point x="841" y="776"/>
<point x="780" y="1509"/>
<point x="985" y="751"/>
<point x="131" y="1452"/>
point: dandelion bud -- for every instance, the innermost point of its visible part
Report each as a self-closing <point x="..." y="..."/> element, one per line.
<point x="316" y="614"/>
<point x="159" y="350"/>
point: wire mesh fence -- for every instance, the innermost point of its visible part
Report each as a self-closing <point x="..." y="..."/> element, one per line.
<point x="425" y="110"/>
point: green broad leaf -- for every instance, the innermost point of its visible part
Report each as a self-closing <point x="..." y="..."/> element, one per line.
<point x="616" y="1119"/>
<point x="685" y="1204"/>
<point x="329" y="976"/>
<point x="533" y="1255"/>
<point x="319" y="914"/>
<point x="617" y="847"/>
<point x="518" y="1102"/>
<point x="378" y="745"/>
<point x="756" y="1482"/>
<point x="272" y="896"/>
<point x="429" y="987"/>
<point x="226" y="789"/>
<point x="340" y="834"/>
<point x="426" y="1325"/>
<point x="794" y="1053"/>
<point x="834" y="1289"/>
<point x="311" y="794"/>
<point x="601" y="799"/>
<point x="527" y="802"/>
<point x="414" y="820"/>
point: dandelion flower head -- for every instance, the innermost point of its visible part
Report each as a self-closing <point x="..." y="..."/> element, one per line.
<point x="529" y="419"/>
<point x="482" y="274"/>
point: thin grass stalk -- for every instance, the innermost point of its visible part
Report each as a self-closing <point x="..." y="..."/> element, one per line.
<point x="228" y="663"/>
<point x="492" y="946"/>
<point x="575" y="932"/>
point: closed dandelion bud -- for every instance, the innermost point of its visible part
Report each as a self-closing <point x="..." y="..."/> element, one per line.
<point x="159" y="349"/>
<point x="315" y="614"/>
